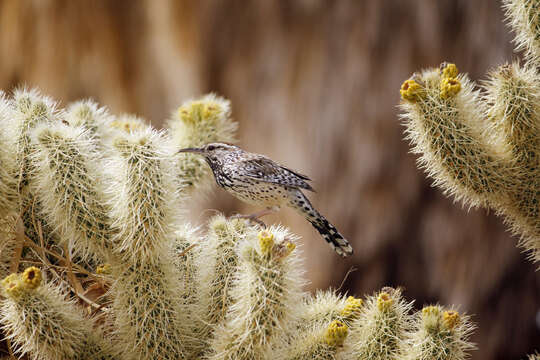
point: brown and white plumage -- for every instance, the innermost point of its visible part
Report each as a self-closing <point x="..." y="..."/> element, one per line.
<point x="257" y="180"/>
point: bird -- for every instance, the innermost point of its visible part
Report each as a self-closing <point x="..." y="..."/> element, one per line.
<point x="258" y="180"/>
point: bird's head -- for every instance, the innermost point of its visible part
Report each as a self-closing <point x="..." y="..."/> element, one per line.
<point x="213" y="152"/>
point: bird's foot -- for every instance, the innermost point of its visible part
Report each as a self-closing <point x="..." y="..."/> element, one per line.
<point x="255" y="217"/>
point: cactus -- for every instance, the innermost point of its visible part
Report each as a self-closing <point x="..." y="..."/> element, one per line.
<point x="100" y="200"/>
<point x="43" y="324"/>
<point x="440" y="334"/>
<point x="381" y="327"/>
<point x="482" y="144"/>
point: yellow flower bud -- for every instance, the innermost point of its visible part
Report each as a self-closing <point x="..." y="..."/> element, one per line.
<point x="200" y="110"/>
<point x="31" y="277"/>
<point x="266" y="241"/>
<point x="450" y="319"/>
<point x="449" y="70"/>
<point x="336" y="333"/>
<point x="449" y="87"/>
<point x="12" y="285"/>
<point x="384" y="301"/>
<point x="352" y="308"/>
<point x="411" y="90"/>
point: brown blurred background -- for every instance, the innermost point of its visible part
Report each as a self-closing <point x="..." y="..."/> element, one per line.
<point x="314" y="85"/>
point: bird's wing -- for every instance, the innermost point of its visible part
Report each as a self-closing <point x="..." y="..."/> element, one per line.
<point x="264" y="169"/>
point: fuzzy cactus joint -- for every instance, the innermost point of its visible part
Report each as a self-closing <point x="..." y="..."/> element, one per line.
<point x="481" y="142"/>
<point x="98" y="262"/>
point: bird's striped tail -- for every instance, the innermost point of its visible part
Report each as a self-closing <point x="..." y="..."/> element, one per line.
<point x="323" y="226"/>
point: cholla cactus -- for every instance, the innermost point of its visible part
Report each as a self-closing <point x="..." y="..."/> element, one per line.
<point x="99" y="198"/>
<point x="381" y="328"/>
<point x="483" y="145"/>
<point x="524" y="18"/>
<point x="267" y="287"/>
<point x="43" y="324"/>
<point x="440" y="334"/>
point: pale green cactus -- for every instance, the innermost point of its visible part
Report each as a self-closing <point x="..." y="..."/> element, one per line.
<point x="8" y="164"/>
<point x="320" y="341"/>
<point x="524" y="18"/>
<point x="482" y="144"/>
<point x="268" y="285"/>
<point x="43" y="324"/>
<point x="100" y="199"/>
<point x="440" y="335"/>
<point x="381" y="328"/>
<point x="70" y="188"/>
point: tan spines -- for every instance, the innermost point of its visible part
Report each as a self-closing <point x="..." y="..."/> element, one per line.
<point x="69" y="184"/>
<point x="319" y="324"/>
<point x="147" y="303"/>
<point x="87" y="114"/>
<point x="440" y="334"/>
<point x="323" y="341"/>
<point x="143" y="199"/>
<point x="513" y="106"/>
<point x="323" y="307"/>
<point x="267" y="287"/>
<point x="41" y="322"/>
<point x="217" y="261"/>
<point x="29" y="109"/>
<point x="8" y="165"/>
<point x="524" y="18"/>
<point x="148" y="309"/>
<point x="381" y="329"/>
<point x="513" y="97"/>
<point x="447" y="134"/>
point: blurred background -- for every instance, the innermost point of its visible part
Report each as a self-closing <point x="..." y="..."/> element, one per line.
<point x="314" y="85"/>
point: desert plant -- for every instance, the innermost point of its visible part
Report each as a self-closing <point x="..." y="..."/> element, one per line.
<point x="481" y="144"/>
<point x="93" y="203"/>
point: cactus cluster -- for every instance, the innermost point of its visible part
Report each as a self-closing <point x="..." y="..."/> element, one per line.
<point x="98" y="262"/>
<point x="481" y="143"/>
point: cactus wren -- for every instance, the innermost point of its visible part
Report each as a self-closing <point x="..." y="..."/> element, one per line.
<point x="258" y="180"/>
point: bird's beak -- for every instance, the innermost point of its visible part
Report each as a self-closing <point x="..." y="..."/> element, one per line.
<point x="191" y="150"/>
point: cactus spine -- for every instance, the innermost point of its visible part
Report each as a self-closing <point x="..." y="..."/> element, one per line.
<point x="44" y="325"/>
<point x="440" y="334"/>
<point x="267" y="287"/>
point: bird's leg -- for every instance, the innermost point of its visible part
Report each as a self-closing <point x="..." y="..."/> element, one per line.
<point x="255" y="216"/>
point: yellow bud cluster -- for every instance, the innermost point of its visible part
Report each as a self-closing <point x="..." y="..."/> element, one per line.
<point x="32" y="277"/>
<point x="450" y="319"/>
<point x="449" y="87"/>
<point x="266" y="241"/>
<point x="411" y="90"/>
<point x="13" y="285"/>
<point x="198" y="110"/>
<point x="336" y="333"/>
<point x="16" y="284"/>
<point x="449" y="70"/>
<point x="384" y="301"/>
<point x="352" y="308"/>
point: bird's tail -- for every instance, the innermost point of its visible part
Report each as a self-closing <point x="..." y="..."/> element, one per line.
<point x="319" y="222"/>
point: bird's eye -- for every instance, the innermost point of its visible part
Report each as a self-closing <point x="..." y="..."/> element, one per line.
<point x="211" y="147"/>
